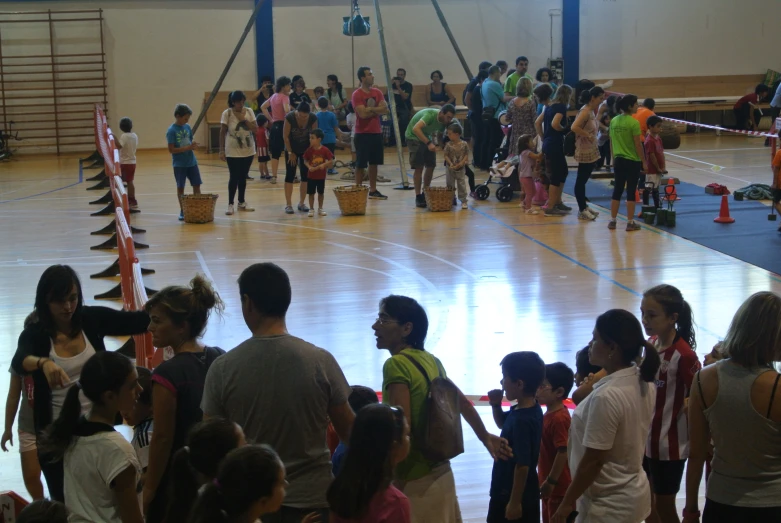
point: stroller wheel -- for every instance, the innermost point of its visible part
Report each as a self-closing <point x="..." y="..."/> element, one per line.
<point x="504" y="194"/>
<point x="482" y="192"/>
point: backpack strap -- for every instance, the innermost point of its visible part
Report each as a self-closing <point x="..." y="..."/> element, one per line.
<point x="419" y="367"/>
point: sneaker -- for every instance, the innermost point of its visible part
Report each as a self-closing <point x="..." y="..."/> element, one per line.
<point x="593" y="211"/>
<point x="273" y="179"/>
<point x="611" y="225"/>
<point x="289" y="210"/>
<point x="555" y="211"/>
<point x="333" y="171"/>
<point x="243" y="207"/>
<point x="230" y="210"/>
<point x="377" y="195"/>
<point x="420" y="201"/>
<point x="464" y="205"/>
<point x="134" y="206"/>
<point x="383" y="179"/>
<point x="586" y="216"/>
<point x="532" y="210"/>
<point x="302" y="207"/>
<point x="322" y="212"/>
<point x="181" y="216"/>
<point x="632" y="226"/>
<point x="311" y="213"/>
<point x="562" y="207"/>
<point x="250" y="177"/>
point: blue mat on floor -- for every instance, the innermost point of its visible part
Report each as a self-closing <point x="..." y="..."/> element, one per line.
<point x="751" y="238"/>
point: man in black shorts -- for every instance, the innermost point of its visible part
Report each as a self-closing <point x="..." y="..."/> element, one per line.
<point x="420" y="133"/>
<point x="369" y="103"/>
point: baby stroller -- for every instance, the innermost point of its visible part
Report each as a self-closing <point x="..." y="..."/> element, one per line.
<point x="507" y="174"/>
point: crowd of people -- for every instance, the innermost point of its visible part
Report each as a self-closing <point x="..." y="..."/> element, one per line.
<point x="505" y="118"/>
<point x="271" y="429"/>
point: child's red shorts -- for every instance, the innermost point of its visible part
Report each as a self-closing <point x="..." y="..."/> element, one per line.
<point x="128" y="171"/>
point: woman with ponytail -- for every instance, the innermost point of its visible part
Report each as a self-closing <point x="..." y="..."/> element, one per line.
<point x="667" y="319"/>
<point x="101" y="467"/>
<point x="196" y="464"/>
<point x="178" y="318"/>
<point x="362" y="492"/>
<point x="55" y="345"/>
<point x="250" y="483"/>
<point x="610" y="426"/>
<point x="626" y="143"/>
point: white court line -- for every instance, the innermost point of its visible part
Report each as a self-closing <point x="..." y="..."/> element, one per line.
<point x="206" y="271"/>
<point x="693" y="160"/>
<point x="711" y="172"/>
<point x="719" y="150"/>
<point x="438" y="326"/>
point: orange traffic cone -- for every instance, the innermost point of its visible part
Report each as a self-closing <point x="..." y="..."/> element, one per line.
<point x="670" y="181"/>
<point x="724" y="216"/>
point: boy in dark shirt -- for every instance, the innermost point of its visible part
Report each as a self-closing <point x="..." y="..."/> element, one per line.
<point x="515" y="487"/>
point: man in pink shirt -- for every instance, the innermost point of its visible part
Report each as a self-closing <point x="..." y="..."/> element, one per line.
<point x="369" y="103"/>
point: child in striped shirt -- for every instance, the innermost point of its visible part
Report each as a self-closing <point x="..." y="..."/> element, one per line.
<point x="667" y="319"/>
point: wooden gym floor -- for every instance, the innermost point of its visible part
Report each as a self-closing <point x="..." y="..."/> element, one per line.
<point x="492" y="279"/>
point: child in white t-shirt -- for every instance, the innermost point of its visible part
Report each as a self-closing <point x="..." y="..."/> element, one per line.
<point x="101" y="470"/>
<point x="127" y="145"/>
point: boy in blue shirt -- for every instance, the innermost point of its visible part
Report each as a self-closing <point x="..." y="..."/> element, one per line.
<point x="515" y="487"/>
<point x="327" y="122"/>
<point x="181" y="147"/>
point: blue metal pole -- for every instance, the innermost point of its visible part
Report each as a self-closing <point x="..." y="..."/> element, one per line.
<point x="264" y="40"/>
<point x="570" y="20"/>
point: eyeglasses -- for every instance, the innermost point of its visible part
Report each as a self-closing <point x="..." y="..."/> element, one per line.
<point x="384" y="321"/>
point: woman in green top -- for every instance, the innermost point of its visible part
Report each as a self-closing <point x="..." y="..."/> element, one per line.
<point x="627" y="146"/>
<point x="401" y="327"/>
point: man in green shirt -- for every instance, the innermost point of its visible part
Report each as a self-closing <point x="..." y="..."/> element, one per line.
<point x="521" y="70"/>
<point x="422" y="152"/>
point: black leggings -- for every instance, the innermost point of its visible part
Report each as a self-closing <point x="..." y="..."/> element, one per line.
<point x="493" y="135"/>
<point x="478" y="139"/>
<point x="470" y="177"/>
<point x="290" y="170"/>
<point x="584" y="173"/>
<point x="604" y="155"/>
<point x="719" y="513"/>
<point x="627" y="174"/>
<point x="54" y="473"/>
<point x="238" y="169"/>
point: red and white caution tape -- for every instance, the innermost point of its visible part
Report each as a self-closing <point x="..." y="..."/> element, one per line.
<point x="717" y="128"/>
<point x="482" y="401"/>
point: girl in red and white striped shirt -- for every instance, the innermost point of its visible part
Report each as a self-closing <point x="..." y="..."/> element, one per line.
<point x="667" y="319"/>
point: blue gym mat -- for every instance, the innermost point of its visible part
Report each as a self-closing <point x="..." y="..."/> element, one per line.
<point x="752" y="238"/>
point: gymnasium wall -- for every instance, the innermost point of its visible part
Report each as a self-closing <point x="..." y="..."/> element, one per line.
<point x="308" y="37"/>
<point x="159" y="53"/>
<point x="662" y="38"/>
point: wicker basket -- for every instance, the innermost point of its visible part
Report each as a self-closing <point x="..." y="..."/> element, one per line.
<point x="199" y="208"/>
<point x="439" y="199"/>
<point x="352" y="199"/>
<point x="671" y="137"/>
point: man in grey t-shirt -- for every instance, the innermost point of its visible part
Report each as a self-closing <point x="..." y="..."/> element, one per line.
<point x="282" y="391"/>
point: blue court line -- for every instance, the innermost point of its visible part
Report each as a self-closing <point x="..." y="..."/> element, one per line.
<point x="81" y="179"/>
<point x="559" y="253"/>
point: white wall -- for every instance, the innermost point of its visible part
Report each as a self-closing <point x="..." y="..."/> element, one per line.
<point x="484" y="29"/>
<point x="160" y="53"/>
<point x="659" y="38"/>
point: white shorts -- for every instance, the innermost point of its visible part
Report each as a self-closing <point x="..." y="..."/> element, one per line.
<point x="433" y="497"/>
<point x="655" y="179"/>
<point x="27" y="441"/>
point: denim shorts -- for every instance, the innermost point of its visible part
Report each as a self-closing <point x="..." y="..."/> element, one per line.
<point x="182" y="174"/>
